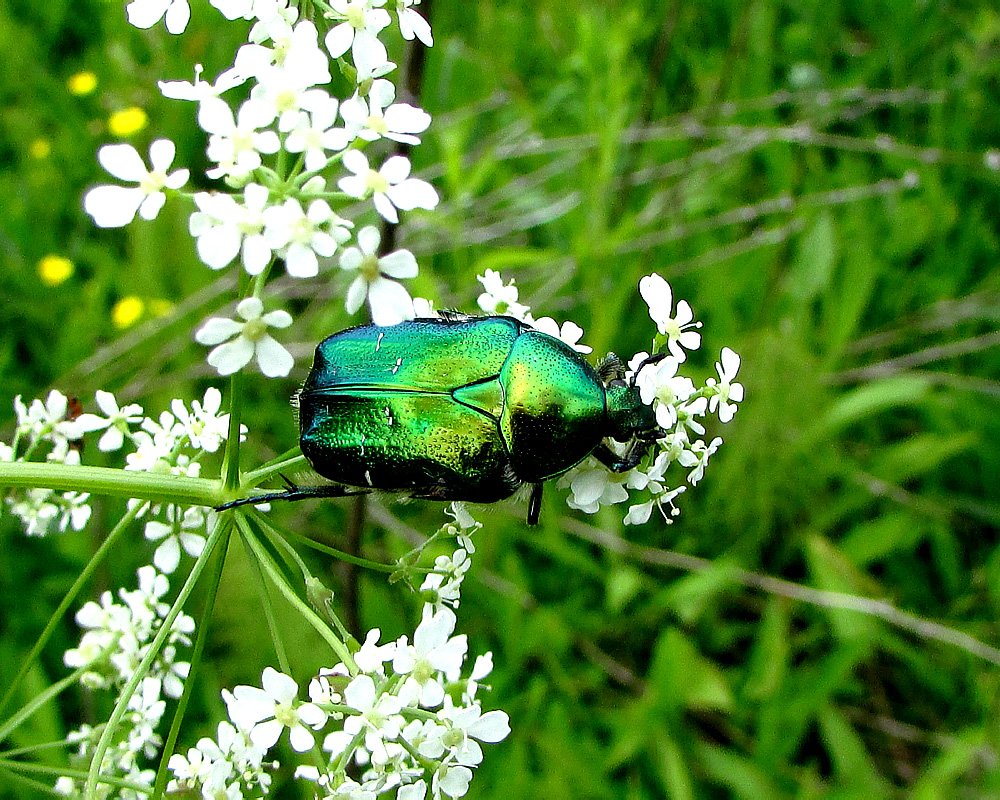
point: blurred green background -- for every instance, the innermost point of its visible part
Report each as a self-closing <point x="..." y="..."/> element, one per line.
<point x="815" y="177"/>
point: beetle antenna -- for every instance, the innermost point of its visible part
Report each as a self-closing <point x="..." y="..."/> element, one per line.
<point x="656" y="358"/>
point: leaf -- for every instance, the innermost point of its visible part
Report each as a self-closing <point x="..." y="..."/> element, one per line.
<point x="684" y="678"/>
<point x="873" y="398"/>
<point x="815" y="259"/>
<point x="851" y="761"/>
<point x="833" y="572"/>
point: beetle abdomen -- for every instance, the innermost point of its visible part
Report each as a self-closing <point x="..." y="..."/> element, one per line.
<point x="425" y="444"/>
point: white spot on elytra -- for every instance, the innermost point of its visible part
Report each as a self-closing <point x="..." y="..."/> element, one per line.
<point x="378" y="342"/>
<point x="399" y="363"/>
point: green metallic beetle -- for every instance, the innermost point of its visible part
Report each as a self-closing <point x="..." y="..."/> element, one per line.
<point x="460" y="408"/>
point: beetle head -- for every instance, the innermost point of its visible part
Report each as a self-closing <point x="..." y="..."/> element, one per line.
<point x="628" y="417"/>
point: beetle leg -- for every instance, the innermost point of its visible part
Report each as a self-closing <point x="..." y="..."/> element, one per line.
<point x="614" y="462"/>
<point x="534" y="504"/>
<point x="293" y="492"/>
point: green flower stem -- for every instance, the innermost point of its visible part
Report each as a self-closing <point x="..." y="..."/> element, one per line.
<point x="265" y="596"/>
<point x="94" y="775"/>
<point x="232" y="460"/>
<point x="156" y="488"/>
<point x="10" y="725"/>
<point x="331" y="551"/>
<point x="110" y="541"/>
<point x="78" y="774"/>
<point x="291" y="461"/>
<point x="271" y="569"/>
<point x="199" y="647"/>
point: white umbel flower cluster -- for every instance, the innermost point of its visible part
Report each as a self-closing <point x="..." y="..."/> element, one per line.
<point x="402" y="719"/>
<point x="677" y="402"/>
<point x="284" y="152"/>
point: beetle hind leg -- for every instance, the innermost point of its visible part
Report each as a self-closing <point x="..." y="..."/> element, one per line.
<point x="293" y="492"/>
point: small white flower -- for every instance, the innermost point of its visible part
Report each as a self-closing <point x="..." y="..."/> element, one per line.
<point x="177" y="533"/>
<point x="267" y="712"/>
<point x="146" y="13"/>
<point x="203" y="425"/>
<point x="472" y="724"/>
<point x="388" y="300"/>
<point x="47" y="420"/>
<point x="223" y="227"/>
<point x="446" y="580"/>
<point x="433" y="651"/>
<point x="115" y="422"/>
<point x="658" y="296"/>
<point x="569" y="332"/>
<point x="727" y="390"/>
<point x="251" y="339"/>
<point x="236" y="144"/>
<point x="314" y="135"/>
<point x="375" y="116"/>
<point x="498" y="297"/>
<point x="412" y="24"/>
<point x="358" y="32"/>
<point x="593" y="486"/>
<point x="115" y="206"/>
<point x="661" y="387"/>
<point x="299" y="237"/>
<point x="465" y="525"/>
<point x="697" y="457"/>
<point x="378" y="714"/>
<point x="390" y="187"/>
<point x="284" y="86"/>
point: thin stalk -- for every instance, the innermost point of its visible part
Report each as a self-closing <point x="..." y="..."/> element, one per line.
<point x="36" y="702"/>
<point x="231" y="469"/>
<point x="94" y="774"/>
<point x="272" y="572"/>
<point x="112" y="482"/>
<point x="199" y="647"/>
<point x="67" y="601"/>
<point x="265" y="597"/>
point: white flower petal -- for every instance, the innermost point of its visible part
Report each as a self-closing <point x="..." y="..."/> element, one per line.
<point x="413" y="193"/>
<point x="217" y="330"/>
<point x="395" y="169"/>
<point x="368" y="240"/>
<point x="232" y="356"/>
<point x="272" y="358"/>
<point x="339" y="39"/>
<point x="389" y="301"/>
<point x="113" y="206"/>
<point x="400" y="264"/>
<point x="178" y="16"/>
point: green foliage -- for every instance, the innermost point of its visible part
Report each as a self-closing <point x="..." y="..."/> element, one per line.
<point x="757" y="155"/>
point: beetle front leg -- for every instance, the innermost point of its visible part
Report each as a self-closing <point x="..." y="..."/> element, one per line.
<point x="616" y="463"/>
